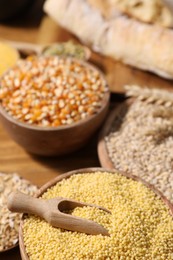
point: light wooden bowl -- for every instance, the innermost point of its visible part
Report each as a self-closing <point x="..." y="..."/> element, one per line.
<point x="103" y="155"/>
<point x="53" y="182"/>
<point x="27" y="49"/>
<point x="50" y="141"/>
<point x="9" y="248"/>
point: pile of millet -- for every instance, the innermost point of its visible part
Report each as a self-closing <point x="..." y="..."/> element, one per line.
<point x="140" y="224"/>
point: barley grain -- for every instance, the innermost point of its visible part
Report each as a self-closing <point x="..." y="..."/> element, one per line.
<point x="141" y="139"/>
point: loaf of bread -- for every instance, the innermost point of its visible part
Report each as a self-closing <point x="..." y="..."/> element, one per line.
<point x="144" y="46"/>
<point x="148" y="11"/>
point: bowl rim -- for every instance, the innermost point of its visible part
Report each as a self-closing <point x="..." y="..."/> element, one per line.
<point x="85" y="48"/>
<point x="104" y="102"/>
<point x="102" y="149"/>
<point x="68" y="174"/>
<point x="9" y="248"/>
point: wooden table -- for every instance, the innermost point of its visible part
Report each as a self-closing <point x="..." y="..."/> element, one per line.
<point x="40" y="170"/>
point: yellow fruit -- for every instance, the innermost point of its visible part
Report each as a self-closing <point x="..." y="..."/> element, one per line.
<point x="8" y="57"/>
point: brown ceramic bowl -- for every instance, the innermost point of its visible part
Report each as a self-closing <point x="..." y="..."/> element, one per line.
<point x="67" y="175"/>
<point x="49" y="141"/>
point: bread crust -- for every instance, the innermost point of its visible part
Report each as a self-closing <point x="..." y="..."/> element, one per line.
<point x="144" y="46"/>
<point x="148" y="11"/>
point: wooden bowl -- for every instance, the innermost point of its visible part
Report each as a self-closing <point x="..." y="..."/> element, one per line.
<point x="9" y="248"/>
<point x="53" y="182"/>
<point x="49" y="141"/>
<point x="27" y="49"/>
<point x="103" y="155"/>
<point x="86" y="50"/>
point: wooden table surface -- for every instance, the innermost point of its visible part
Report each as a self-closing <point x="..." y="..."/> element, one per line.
<point x="39" y="170"/>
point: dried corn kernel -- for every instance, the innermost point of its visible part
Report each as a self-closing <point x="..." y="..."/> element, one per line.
<point x="140" y="225"/>
<point x="50" y="89"/>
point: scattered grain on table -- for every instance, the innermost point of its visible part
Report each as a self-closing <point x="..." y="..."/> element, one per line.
<point x="140" y="225"/>
<point x="140" y="140"/>
<point x="9" y="220"/>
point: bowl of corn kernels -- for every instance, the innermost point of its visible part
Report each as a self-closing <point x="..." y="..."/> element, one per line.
<point x="52" y="105"/>
<point x="140" y="225"/>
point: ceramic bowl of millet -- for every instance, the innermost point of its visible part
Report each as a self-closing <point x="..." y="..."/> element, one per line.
<point x="52" y="105"/>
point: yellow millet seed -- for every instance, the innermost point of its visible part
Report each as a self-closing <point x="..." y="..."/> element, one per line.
<point x="140" y="225"/>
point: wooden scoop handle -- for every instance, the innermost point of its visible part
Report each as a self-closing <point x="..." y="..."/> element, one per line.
<point x="20" y="202"/>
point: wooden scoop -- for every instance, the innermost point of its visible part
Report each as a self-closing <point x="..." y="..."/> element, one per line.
<point x="52" y="211"/>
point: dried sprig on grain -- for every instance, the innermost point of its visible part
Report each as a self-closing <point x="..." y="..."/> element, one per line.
<point x="164" y="113"/>
<point x="158" y="96"/>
